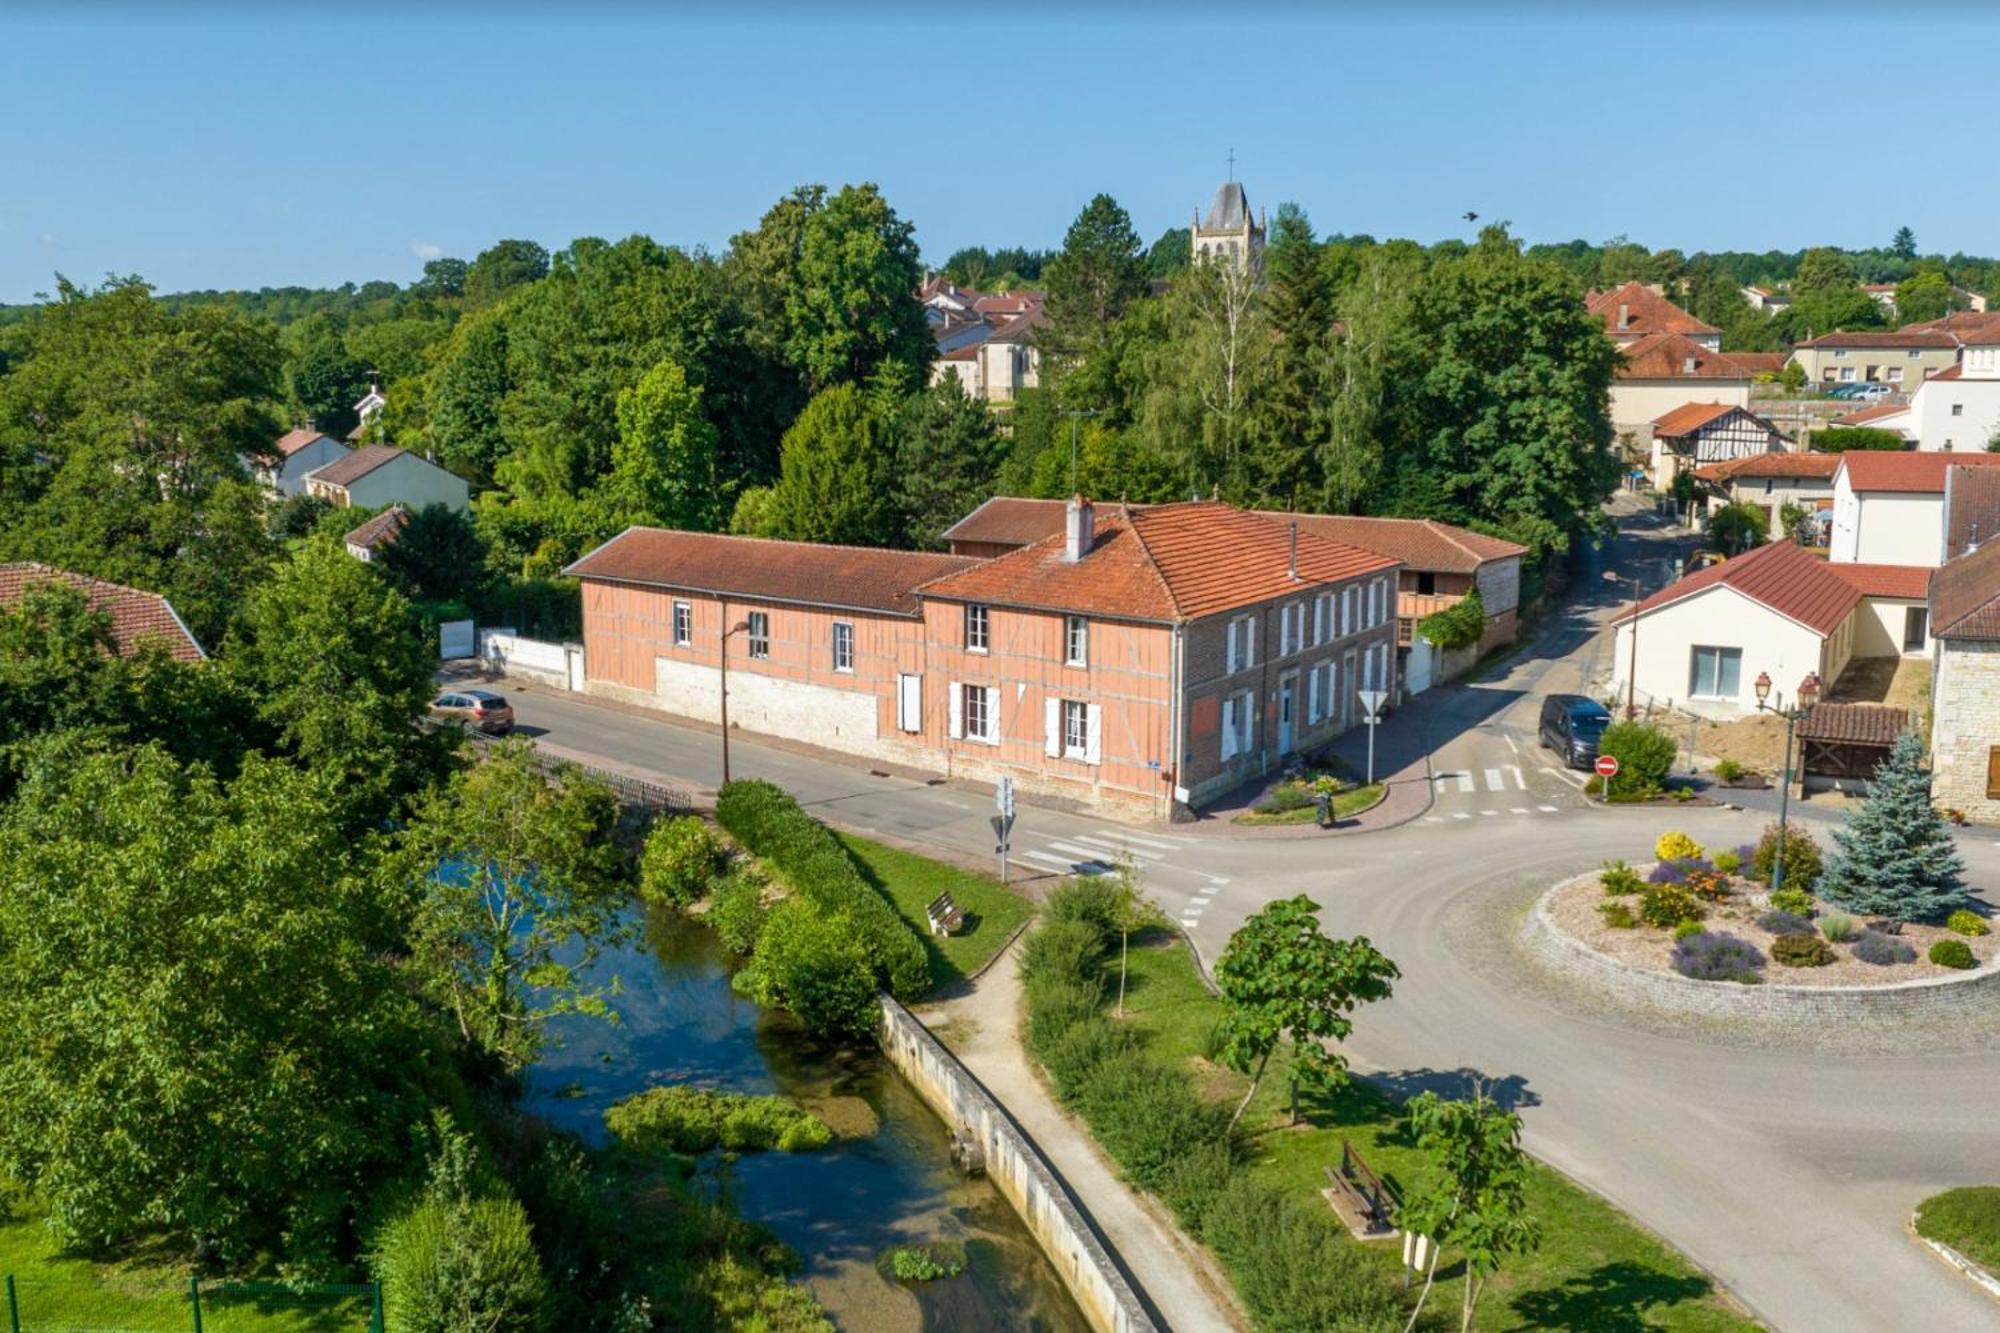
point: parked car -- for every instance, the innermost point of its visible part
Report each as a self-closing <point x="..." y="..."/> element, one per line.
<point x="482" y="710"/>
<point x="1871" y="393"/>
<point x="1572" y="724"/>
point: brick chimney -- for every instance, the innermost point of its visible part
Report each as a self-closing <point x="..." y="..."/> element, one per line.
<point x="1079" y="529"/>
<point x="1624" y="316"/>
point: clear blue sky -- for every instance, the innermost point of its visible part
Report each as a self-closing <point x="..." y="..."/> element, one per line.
<point x="244" y="146"/>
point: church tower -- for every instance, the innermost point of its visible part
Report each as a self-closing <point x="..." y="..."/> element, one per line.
<point x="1229" y="232"/>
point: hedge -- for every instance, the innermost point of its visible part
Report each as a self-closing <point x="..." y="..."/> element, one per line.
<point x="765" y="819"/>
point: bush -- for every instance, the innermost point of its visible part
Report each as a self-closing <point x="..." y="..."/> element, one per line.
<point x="1839" y="439"/>
<point x="1728" y="770"/>
<point x="1057" y="1004"/>
<point x="1677" y="872"/>
<point x="814" y="964"/>
<point x="684" y="1119"/>
<point x="1676" y="846"/>
<point x="1715" y="956"/>
<point x="1061" y="951"/>
<point x="1072" y="1051"/>
<point x="1784" y="923"/>
<point x="1294" y="1266"/>
<point x="461" y="1256"/>
<point x="1837" y="926"/>
<point x="1667" y="905"/>
<point x="1880" y="950"/>
<point x="1291" y="794"/>
<point x="679" y="860"/>
<point x="1685" y="929"/>
<point x="1618" y="916"/>
<point x="1619" y="879"/>
<point x="921" y="1263"/>
<point x="1090" y="899"/>
<point x="1802" y="857"/>
<point x="1645" y="756"/>
<point x="1953" y="953"/>
<point x="1796" y="901"/>
<point x="1711" y="886"/>
<point x="769" y="822"/>
<point x="1727" y="862"/>
<point x="1801" y="949"/>
<point x="1149" y="1115"/>
<point x="1967" y="922"/>
<point x="736" y="910"/>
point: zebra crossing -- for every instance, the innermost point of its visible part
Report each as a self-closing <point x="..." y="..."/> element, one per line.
<point x="1098" y="853"/>
<point x="1506" y="781"/>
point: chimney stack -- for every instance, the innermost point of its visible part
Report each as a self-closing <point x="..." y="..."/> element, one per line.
<point x="1687" y="366"/>
<point x="1079" y="529"/>
<point x="1292" y="559"/>
<point x="1624" y="316"/>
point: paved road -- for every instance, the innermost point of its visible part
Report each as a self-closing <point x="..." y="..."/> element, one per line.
<point x="1789" y="1174"/>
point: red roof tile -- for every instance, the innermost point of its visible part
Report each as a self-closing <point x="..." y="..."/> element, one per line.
<point x="1911" y="581"/>
<point x="1666" y="356"/>
<point x="1422" y="544"/>
<point x="1690" y="417"/>
<point x="1971" y="508"/>
<point x="1785" y="577"/>
<point x="1759" y="363"/>
<point x="858" y="578"/>
<point x="1806" y="466"/>
<point x="1170" y="562"/>
<point x="1875" y="413"/>
<point x="1014" y="520"/>
<point x="1905" y="472"/>
<point x="1855" y="724"/>
<point x="1898" y="338"/>
<point x="136" y="615"/>
<point x="1970" y="326"/>
<point x="1965" y="595"/>
<point x="1647" y="312"/>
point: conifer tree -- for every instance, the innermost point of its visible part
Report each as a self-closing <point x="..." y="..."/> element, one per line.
<point x="1895" y="856"/>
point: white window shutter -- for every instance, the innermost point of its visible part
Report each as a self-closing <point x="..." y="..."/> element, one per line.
<point x="993" y="732"/>
<point x="1312" y="695"/>
<point x="1052" y="737"/>
<point x="1250" y="641"/>
<point x="956" y="728"/>
<point x="1228" y="728"/>
<point x="1093" y="736"/>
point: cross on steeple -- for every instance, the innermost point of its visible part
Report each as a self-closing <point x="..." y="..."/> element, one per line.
<point x="1232" y="164"/>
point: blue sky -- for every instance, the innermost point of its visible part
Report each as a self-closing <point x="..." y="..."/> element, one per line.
<point x="245" y="146"/>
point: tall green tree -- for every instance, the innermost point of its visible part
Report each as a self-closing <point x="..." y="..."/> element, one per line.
<point x="663" y="466"/>
<point x="852" y="307"/>
<point x="221" y="1051"/>
<point x="837" y="479"/>
<point x="502" y="267"/>
<point x="1284" y="981"/>
<point x="1894" y="856"/>
<point x="1926" y="296"/>
<point x="1904" y="244"/>
<point x="1098" y="273"/>
<point x="514" y="883"/>
<point x="1473" y="1195"/>
<point x="464" y="394"/>
<point x="949" y="455"/>
<point x="323" y="378"/>
<point x="437" y="556"/>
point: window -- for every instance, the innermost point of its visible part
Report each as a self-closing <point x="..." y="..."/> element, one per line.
<point x="1242" y="646"/>
<point x="843" y="646"/>
<point x="1913" y="354"/>
<point x="1958" y="409"/>
<point x="977" y="626"/>
<point x="1317" y="694"/>
<point x="977" y="707"/>
<point x="1715" y="673"/>
<point x="1840" y="353"/>
<point x="1427" y="583"/>
<point x="1322" y="618"/>
<point x="1291" y="628"/>
<point x="1076" y="642"/>
<point x="1993" y="774"/>
<point x="683" y="624"/>
<point x="760" y="634"/>
<point x="1075" y="729"/>
<point x="1846" y="372"/>
<point x="1895" y="374"/>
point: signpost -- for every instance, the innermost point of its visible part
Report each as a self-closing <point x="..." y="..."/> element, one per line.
<point x="1607" y="769"/>
<point x="1003" y="823"/>
<point x="1371" y="713"/>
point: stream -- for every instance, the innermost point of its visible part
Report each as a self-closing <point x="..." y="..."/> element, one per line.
<point x="886" y="1179"/>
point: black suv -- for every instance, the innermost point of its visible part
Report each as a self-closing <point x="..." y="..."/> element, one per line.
<point x="1571" y="725"/>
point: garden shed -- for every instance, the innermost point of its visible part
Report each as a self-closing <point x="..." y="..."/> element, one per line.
<point x="1840" y="745"/>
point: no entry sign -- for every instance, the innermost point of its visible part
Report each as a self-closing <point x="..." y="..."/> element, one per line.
<point x="1607" y="766"/>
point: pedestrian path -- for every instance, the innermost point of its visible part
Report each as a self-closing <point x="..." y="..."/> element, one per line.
<point x="1484" y="793"/>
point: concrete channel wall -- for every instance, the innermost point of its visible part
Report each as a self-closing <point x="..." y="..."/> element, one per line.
<point x="1017" y="1167"/>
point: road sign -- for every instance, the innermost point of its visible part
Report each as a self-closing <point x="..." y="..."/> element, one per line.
<point x="1003" y="829"/>
<point x="1607" y="766"/>
<point x="1372" y="701"/>
<point x="1003" y="796"/>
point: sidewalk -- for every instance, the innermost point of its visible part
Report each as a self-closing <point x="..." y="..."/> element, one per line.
<point x="1180" y="1282"/>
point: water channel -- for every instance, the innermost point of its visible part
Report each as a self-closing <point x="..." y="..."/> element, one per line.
<point x="887" y="1178"/>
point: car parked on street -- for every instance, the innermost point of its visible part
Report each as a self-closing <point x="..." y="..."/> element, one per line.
<point x="1572" y="724"/>
<point x="482" y="710"/>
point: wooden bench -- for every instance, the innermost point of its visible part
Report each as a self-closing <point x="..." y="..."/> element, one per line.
<point x="944" y="915"/>
<point x="1360" y="1197"/>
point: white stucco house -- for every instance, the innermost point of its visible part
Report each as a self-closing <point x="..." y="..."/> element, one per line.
<point x="381" y="474"/>
<point x="1958" y="410"/>
<point x="293" y="456"/>
<point x="1665" y="371"/>
<point x="1888" y="508"/>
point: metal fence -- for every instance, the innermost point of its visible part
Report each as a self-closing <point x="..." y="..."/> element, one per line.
<point x="121" y="1305"/>
<point x="637" y="794"/>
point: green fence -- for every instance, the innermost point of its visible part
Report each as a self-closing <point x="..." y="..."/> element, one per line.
<point x="111" y="1305"/>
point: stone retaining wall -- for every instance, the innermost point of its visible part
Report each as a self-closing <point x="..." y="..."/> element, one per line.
<point x="1774" y="1005"/>
<point x="1017" y="1167"/>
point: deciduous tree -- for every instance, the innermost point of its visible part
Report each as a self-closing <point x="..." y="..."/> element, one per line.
<point x="663" y="466"/>
<point x="1473" y="1195"/>
<point x="852" y="306"/>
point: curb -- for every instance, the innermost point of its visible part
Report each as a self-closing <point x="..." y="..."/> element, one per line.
<point x="1972" y="1271"/>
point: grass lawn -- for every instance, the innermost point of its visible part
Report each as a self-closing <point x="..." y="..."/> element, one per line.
<point x="1344" y="804"/>
<point x="1966" y="1219"/>
<point x="910" y="882"/>
<point x="145" y="1294"/>
<point x="1595" y="1269"/>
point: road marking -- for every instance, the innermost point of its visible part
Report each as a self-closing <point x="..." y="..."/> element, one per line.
<point x="1488" y="814"/>
<point x="1434" y="819"/>
<point x="1495" y="781"/>
<point x="1465" y="782"/>
<point x="1520" y="782"/>
<point x="1518" y="810"/>
<point x="1547" y="809"/>
<point x="1119" y="847"/>
<point x="1087" y="853"/>
<point x="1573" y="779"/>
<point x="1461" y="815"/>
<point x="1063" y="863"/>
<point x="1156" y="841"/>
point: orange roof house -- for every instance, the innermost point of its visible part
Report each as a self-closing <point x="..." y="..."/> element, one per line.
<point x="137" y="616"/>
<point x="1635" y="311"/>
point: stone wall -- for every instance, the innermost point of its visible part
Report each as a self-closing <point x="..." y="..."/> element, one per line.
<point x="1015" y="1165"/>
<point x="1807" y="1009"/>
<point x="1965" y="724"/>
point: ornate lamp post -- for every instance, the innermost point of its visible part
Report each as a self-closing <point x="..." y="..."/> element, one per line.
<point x="1808" y="695"/>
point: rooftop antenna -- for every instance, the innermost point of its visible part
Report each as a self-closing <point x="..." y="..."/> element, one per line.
<point x="1075" y="414"/>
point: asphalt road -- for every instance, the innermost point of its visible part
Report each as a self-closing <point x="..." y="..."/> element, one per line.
<point x="1787" y="1173"/>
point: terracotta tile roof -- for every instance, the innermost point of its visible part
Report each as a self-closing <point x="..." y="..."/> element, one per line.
<point x="859" y="578"/>
<point x="1899" y="338"/>
<point x="1971" y="508"/>
<point x="1171" y="562"/>
<point x="294" y="440"/>
<point x="1020" y="328"/>
<point x="1906" y="472"/>
<point x="1809" y="466"/>
<point x="1972" y="326"/>
<point x="1907" y="581"/>
<point x="1785" y="577"/>
<point x="1667" y="356"/>
<point x="380" y="530"/>
<point x="136" y="615"/>
<point x="1691" y="417"/>
<point x="1956" y="370"/>
<point x="1875" y="413"/>
<point x="1423" y="544"/>
<point x="1965" y="596"/>
<point x="1759" y="363"/>
<point x="347" y="470"/>
<point x="1009" y="519"/>
<point x="1647" y="311"/>
<point x="1855" y="724"/>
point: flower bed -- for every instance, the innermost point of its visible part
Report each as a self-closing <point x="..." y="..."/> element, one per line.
<point x="1573" y="908"/>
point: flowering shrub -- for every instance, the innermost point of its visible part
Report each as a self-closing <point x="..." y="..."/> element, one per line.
<point x="1708" y="885"/>
<point x="1667" y="905"/>
<point x="1715" y="956"/>
<point x="1966" y="922"/>
<point x="1727" y="862"/>
<point x="1881" y="950"/>
<point x="1783" y="923"/>
<point x="1803" y="949"/>
<point x="1676" y="846"/>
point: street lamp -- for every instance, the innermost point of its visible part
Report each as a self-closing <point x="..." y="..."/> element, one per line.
<point x="1807" y="697"/>
<point x="740" y="627"/>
